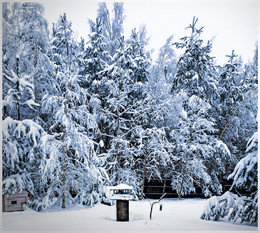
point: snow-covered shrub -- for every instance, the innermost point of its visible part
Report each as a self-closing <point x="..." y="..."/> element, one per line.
<point x="218" y="206"/>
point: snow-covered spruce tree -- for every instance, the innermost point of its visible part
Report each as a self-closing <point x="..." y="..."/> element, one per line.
<point x="201" y="155"/>
<point x="158" y="113"/>
<point x="10" y="45"/>
<point x="154" y="118"/>
<point x="230" y="97"/>
<point x="94" y="61"/>
<point x="19" y="160"/>
<point x="246" y="113"/>
<point x="117" y="120"/>
<point x="18" y="86"/>
<point x="127" y="78"/>
<point x="36" y="44"/>
<point x="93" y="68"/>
<point x="25" y="48"/>
<point x="112" y="73"/>
<point x="152" y="149"/>
<point x="195" y="68"/>
<point x="71" y="171"/>
<point x="245" y="176"/>
<point x="21" y="136"/>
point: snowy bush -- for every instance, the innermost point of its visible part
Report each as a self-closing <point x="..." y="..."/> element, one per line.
<point x="218" y="206"/>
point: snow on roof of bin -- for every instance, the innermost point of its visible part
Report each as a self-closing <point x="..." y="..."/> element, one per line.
<point x="121" y="197"/>
<point x="121" y="186"/>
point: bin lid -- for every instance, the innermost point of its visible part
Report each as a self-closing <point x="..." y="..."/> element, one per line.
<point x="120" y="196"/>
<point x="121" y="186"/>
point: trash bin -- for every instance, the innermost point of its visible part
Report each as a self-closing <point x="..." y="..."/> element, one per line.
<point x="122" y="210"/>
<point x="122" y="193"/>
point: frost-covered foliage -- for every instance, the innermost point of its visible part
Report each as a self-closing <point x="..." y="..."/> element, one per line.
<point x="128" y="77"/>
<point x="112" y="28"/>
<point x="230" y="96"/>
<point x="26" y="67"/>
<point x="163" y="71"/>
<point x="70" y="169"/>
<point x="245" y="176"/>
<point x="80" y="115"/>
<point x="196" y="70"/>
<point x="201" y="155"/>
<point x="19" y="160"/>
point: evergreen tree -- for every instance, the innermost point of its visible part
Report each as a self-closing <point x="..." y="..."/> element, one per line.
<point x="36" y="44"/>
<point x="245" y="176"/>
<point x="21" y="134"/>
<point x="18" y="82"/>
<point x="230" y="97"/>
<point x="19" y="158"/>
<point x="77" y="176"/>
<point x="195" y="68"/>
<point x="195" y="136"/>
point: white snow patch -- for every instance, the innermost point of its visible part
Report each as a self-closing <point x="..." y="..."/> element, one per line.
<point x="183" y="215"/>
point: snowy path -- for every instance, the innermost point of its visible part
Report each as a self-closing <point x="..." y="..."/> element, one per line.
<point x="177" y="215"/>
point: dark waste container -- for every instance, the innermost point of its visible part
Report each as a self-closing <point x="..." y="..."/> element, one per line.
<point x="122" y="210"/>
<point x="122" y="193"/>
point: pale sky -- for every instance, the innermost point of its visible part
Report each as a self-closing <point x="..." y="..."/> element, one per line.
<point x="232" y="23"/>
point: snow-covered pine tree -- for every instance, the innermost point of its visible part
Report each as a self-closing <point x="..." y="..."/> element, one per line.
<point x="230" y="97"/>
<point x="155" y="115"/>
<point x="93" y="68"/>
<point x="21" y="136"/>
<point x="36" y="44"/>
<point x="153" y="152"/>
<point x="201" y="155"/>
<point x="116" y="123"/>
<point x="245" y="176"/>
<point x="20" y="161"/>
<point x="71" y="171"/>
<point x="246" y="114"/>
<point x="195" y="68"/>
<point x="127" y="77"/>
<point x="18" y="85"/>
<point x="94" y="61"/>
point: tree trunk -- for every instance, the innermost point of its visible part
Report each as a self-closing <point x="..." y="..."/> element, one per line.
<point x="35" y="78"/>
<point x="17" y="87"/>
<point x="144" y="172"/>
<point x="117" y="145"/>
<point x="144" y="169"/>
<point x="64" y="162"/>
<point x="64" y="179"/>
<point x="183" y="176"/>
<point x="165" y="179"/>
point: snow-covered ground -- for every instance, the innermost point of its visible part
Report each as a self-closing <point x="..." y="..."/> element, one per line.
<point x="183" y="215"/>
